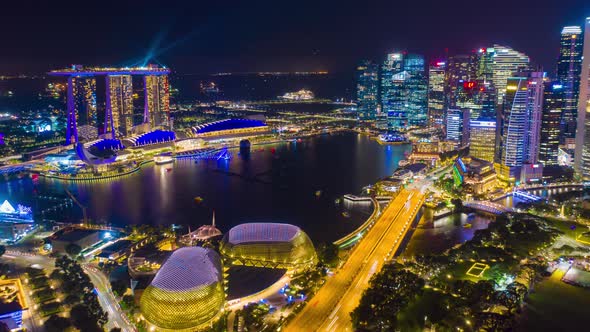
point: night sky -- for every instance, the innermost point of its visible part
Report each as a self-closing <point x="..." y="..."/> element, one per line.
<point x="213" y="36"/>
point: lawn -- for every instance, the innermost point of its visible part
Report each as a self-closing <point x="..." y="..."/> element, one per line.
<point x="556" y="306"/>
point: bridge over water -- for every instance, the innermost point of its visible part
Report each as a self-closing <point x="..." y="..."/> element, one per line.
<point x="488" y="207"/>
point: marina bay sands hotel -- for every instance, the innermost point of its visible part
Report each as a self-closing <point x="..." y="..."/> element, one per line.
<point x="88" y="119"/>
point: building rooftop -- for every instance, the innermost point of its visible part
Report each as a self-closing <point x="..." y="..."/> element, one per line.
<point x="73" y="235"/>
<point x="117" y="246"/>
<point x="227" y="124"/>
<point x="262" y="232"/>
<point x="77" y="70"/>
<point x="188" y="268"/>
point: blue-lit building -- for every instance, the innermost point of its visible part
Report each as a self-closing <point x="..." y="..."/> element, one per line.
<point x="416" y="86"/>
<point x="15" y="222"/>
<point x="457" y="126"/>
<point x="569" y="69"/>
<point x="553" y="105"/>
<point x="230" y="127"/>
<point x="11" y="314"/>
<point x="392" y="93"/>
<point x="367" y="90"/>
<point x="404" y="91"/>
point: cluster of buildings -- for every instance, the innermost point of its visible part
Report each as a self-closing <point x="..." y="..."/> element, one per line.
<point x="112" y="112"/>
<point x="508" y="111"/>
<point x="188" y="291"/>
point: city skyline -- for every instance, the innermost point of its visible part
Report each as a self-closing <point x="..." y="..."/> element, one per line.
<point x="192" y="39"/>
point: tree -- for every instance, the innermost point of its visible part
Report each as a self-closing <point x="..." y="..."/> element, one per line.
<point x="328" y="254"/>
<point x="119" y="287"/>
<point x="83" y="319"/>
<point x="56" y="323"/>
<point x="389" y="292"/>
<point x="458" y="203"/>
<point x="73" y="249"/>
<point x="72" y="299"/>
<point x="56" y="274"/>
<point x="128" y="300"/>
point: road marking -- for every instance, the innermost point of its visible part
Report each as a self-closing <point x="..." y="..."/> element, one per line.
<point x="335" y="310"/>
<point x="332" y="323"/>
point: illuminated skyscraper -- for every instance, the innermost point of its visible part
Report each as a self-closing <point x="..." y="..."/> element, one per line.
<point x="404" y="91"/>
<point x="506" y="62"/>
<point x="416" y="86"/>
<point x="482" y="139"/>
<point x="485" y="64"/>
<point x="392" y="92"/>
<point x="85" y="100"/>
<point x="157" y="101"/>
<point x="436" y="93"/>
<point x="534" y="116"/>
<point x="119" y="110"/>
<point x="457" y="126"/>
<point x="569" y="66"/>
<point x="520" y="123"/>
<point x="367" y="90"/>
<point x="553" y="103"/>
<point x="479" y="97"/>
<point x="582" y="154"/>
<point x="460" y="69"/>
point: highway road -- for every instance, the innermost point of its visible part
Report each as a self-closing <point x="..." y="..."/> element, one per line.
<point x="99" y="280"/>
<point x="107" y="299"/>
<point x="329" y="309"/>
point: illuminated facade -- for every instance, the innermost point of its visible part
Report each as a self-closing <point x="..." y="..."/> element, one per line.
<point x="482" y="138"/>
<point x="416" y="86"/>
<point x="230" y="127"/>
<point x="553" y="104"/>
<point x="270" y="245"/>
<point x="119" y="106"/>
<point x="187" y="293"/>
<point x="520" y="123"/>
<point x="392" y="92"/>
<point x="457" y="126"/>
<point x="157" y="101"/>
<point x="476" y="175"/>
<point x="85" y="100"/>
<point x="582" y="154"/>
<point x="479" y="97"/>
<point x="367" y="90"/>
<point x="506" y="62"/>
<point x="461" y="68"/>
<point x="404" y="91"/>
<point x="436" y="93"/>
<point x="569" y="67"/>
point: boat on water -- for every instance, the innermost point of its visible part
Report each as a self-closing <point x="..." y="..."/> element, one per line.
<point x="164" y="158"/>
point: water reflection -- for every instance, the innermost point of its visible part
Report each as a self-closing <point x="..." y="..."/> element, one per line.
<point x="276" y="183"/>
<point x="434" y="237"/>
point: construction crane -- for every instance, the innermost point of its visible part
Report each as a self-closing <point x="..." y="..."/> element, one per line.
<point x="85" y="220"/>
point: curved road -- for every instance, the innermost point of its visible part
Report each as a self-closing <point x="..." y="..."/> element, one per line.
<point x="329" y="309"/>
